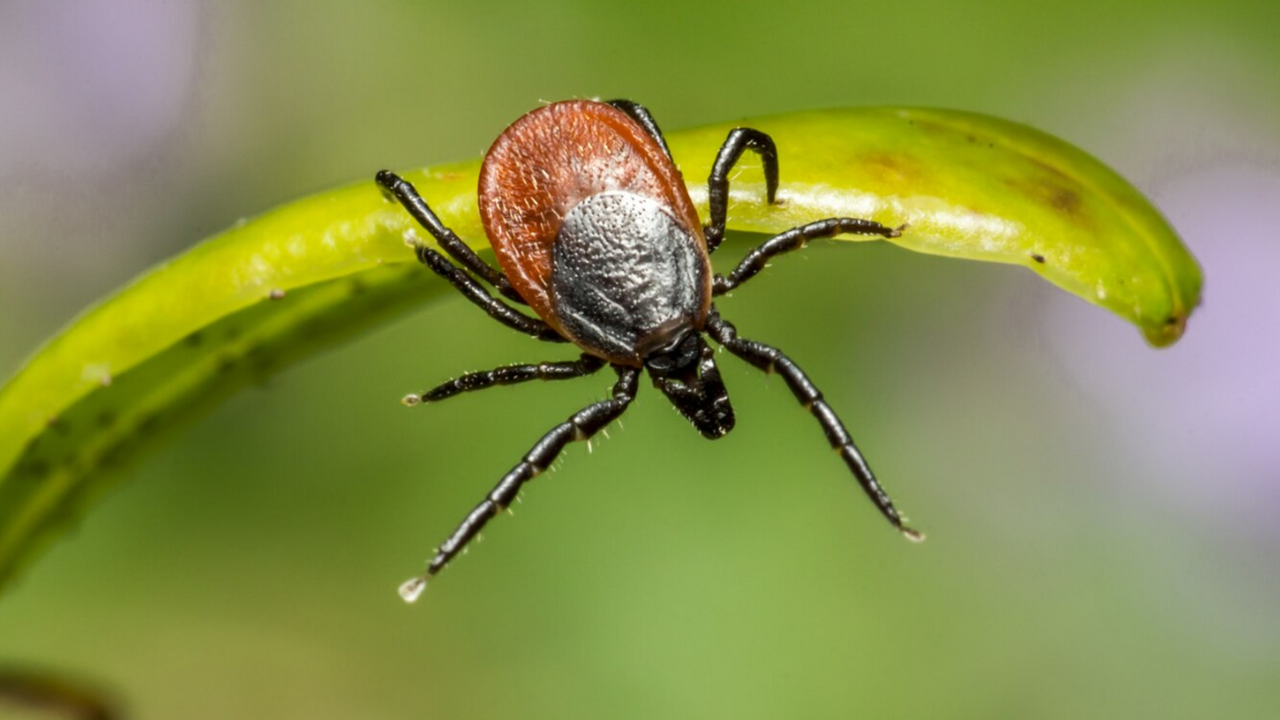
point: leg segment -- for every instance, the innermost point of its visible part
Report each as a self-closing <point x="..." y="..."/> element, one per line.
<point x="771" y="359"/>
<point x="403" y="190"/>
<point x="581" y="426"/>
<point x="640" y="114"/>
<point x="739" y="139"/>
<point x="476" y="293"/>
<point x="794" y="239"/>
<point x="509" y="375"/>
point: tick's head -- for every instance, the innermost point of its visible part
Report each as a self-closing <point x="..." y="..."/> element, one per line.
<point x="685" y="371"/>
<point x="678" y="357"/>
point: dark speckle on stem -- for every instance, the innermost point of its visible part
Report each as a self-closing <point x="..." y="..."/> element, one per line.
<point x="1038" y="258"/>
<point x="149" y="423"/>
<point x="112" y="456"/>
<point x="227" y="363"/>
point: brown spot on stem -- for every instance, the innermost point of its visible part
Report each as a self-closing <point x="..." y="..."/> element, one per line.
<point x="1065" y="200"/>
<point x="1168" y="332"/>
<point x="1056" y="196"/>
<point x="1038" y="258"/>
<point x="889" y="168"/>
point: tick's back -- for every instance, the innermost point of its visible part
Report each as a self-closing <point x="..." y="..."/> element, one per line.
<point x="544" y="166"/>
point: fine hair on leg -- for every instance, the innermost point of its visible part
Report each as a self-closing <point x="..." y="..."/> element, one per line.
<point x="509" y="375"/>
<point x="794" y="239"/>
<point x="640" y="114"/>
<point x="475" y="292"/>
<point x="770" y="359"/>
<point x="582" y="425"/>
<point x="404" y="191"/>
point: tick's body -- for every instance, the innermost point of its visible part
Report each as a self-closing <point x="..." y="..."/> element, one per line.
<point x="594" y="230"/>
<point x="592" y="223"/>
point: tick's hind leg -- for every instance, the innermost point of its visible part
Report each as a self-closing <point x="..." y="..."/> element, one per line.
<point x="403" y="191"/>
<point x="770" y="359"/>
<point x="467" y="285"/>
<point x="475" y="292"/>
<point x="509" y="375"/>
<point x="581" y="426"/>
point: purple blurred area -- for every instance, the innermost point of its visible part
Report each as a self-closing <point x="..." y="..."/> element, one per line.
<point x="1204" y="416"/>
<point x="101" y="86"/>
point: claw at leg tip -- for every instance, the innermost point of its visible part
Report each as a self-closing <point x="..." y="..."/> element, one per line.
<point x="412" y="589"/>
<point x="912" y="535"/>
<point x="410" y="400"/>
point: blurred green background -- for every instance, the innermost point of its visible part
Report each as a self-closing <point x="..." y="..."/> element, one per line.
<point x="1102" y="516"/>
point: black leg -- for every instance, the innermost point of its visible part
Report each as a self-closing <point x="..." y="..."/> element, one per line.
<point x="476" y="293"/>
<point x="509" y="375"/>
<point x="641" y="115"/>
<point x="794" y="239"/>
<point x="739" y="139"/>
<point x="581" y="426"/>
<point x="770" y="359"/>
<point x="403" y="190"/>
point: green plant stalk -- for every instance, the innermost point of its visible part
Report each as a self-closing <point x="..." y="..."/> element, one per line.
<point x="270" y="291"/>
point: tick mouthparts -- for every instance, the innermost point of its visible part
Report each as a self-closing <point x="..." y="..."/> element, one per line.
<point x="412" y="589"/>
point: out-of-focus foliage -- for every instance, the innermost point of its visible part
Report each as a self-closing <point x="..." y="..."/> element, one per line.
<point x="1100" y="515"/>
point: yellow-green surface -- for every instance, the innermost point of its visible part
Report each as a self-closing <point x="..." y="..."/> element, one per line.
<point x="966" y="186"/>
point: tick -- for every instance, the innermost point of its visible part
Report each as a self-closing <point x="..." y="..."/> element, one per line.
<point x="595" y="233"/>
